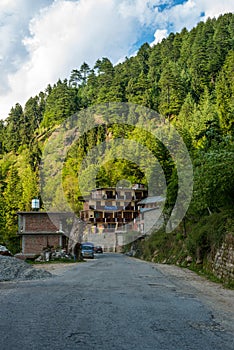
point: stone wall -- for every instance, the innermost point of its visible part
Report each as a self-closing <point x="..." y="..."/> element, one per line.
<point x="223" y="264"/>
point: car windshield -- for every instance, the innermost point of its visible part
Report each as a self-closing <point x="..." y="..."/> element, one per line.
<point x="87" y="247"/>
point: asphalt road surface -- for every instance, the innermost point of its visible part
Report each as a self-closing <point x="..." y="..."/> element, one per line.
<point x="113" y="302"/>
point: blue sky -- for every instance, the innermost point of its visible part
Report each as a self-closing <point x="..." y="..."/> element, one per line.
<point x="43" y="40"/>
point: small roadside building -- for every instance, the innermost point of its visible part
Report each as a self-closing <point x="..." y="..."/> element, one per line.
<point x="41" y="230"/>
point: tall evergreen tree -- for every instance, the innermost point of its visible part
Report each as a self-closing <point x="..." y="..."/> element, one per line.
<point x="173" y="90"/>
<point x="225" y="93"/>
<point x="15" y="128"/>
<point x="61" y="103"/>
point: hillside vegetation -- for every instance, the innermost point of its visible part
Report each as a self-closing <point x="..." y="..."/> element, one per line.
<point x="188" y="78"/>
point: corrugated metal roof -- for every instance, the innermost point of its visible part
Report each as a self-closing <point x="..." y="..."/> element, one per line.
<point x="144" y="210"/>
<point x="151" y="200"/>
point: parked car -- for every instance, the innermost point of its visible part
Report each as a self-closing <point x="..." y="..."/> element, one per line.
<point x="4" y="251"/>
<point x="98" y="249"/>
<point x="87" y="250"/>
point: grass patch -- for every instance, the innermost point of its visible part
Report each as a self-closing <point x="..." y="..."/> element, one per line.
<point x="56" y="261"/>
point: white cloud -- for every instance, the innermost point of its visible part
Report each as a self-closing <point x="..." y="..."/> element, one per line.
<point x="14" y="18"/>
<point x="144" y="11"/>
<point x="44" y="40"/>
<point x="69" y="33"/>
<point x="189" y="13"/>
<point x="216" y="7"/>
<point x="159" y="35"/>
<point x="62" y="37"/>
<point x="184" y="15"/>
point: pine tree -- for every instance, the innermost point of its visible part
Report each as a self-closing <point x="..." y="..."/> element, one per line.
<point x="15" y="129"/>
<point x="173" y="90"/>
<point x="12" y="200"/>
<point x="225" y="94"/>
<point x="61" y="103"/>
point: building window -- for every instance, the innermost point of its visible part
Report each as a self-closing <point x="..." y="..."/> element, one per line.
<point x="110" y="195"/>
<point x="128" y="215"/>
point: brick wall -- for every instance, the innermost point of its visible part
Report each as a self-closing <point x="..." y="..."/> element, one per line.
<point x="34" y="244"/>
<point x="41" y="223"/>
<point x="39" y="232"/>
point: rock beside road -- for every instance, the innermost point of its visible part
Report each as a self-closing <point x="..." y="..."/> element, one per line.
<point x="12" y="268"/>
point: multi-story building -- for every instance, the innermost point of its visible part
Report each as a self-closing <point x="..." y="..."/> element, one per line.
<point x="113" y="209"/>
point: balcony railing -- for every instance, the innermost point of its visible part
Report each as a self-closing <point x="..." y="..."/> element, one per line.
<point x="112" y="207"/>
<point x="113" y="221"/>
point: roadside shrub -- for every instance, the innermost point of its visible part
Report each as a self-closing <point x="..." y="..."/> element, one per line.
<point x="207" y="235"/>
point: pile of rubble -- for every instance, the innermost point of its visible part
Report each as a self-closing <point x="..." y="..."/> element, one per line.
<point x="12" y="268"/>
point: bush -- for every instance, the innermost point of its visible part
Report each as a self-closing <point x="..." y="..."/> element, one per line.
<point x="206" y="235"/>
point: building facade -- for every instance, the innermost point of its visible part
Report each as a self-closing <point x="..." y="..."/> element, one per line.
<point x="40" y="230"/>
<point x="151" y="213"/>
<point x="113" y="209"/>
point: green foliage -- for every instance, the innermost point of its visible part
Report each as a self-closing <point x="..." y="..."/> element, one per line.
<point x="225" y="93"/>
<point x="61" y="103"/>
<point x="12" y="195"/>
<point x="188" y="78"/>
<point x="19" y="184"/>
<point x="173" y="90"/>
<point x="196" y="250"/>
<point x="207" y="234"/>
<point x="161" y="247"/>
<point x="15" y="131"/>
<point x="79" y="77"/>
<point x="2" y="218"/>
<point x="214" y="178"/>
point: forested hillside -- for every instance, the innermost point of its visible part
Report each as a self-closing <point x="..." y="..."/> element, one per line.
<point x="188" y="78"/>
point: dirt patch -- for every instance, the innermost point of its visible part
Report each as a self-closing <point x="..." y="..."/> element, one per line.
<point x="55" y="268"/>
<point x="213" y="294"/>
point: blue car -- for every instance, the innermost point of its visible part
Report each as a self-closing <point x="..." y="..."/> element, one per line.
<point x="87" y="250"/>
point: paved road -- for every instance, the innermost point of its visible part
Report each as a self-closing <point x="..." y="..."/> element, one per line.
<point x="111" y="302"/>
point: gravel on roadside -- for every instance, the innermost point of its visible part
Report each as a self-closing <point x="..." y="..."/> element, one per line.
<point x="12" y="268"/>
